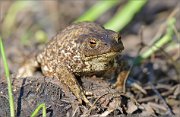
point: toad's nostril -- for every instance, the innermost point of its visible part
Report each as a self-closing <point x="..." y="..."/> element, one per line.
<point x="118" y="47"/>
<point x="119" y="38"/>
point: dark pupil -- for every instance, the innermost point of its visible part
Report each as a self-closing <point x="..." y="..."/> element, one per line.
<point x="92" y="43"/>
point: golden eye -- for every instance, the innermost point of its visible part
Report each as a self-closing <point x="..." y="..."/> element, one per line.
<point x="92" y="43"/>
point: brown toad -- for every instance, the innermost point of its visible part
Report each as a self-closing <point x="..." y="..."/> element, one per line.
<point x="80" y="49"/>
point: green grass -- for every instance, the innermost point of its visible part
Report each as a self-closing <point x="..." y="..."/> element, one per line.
<point x="10" y="93"/>
<point x="41" y="106"/>
<point x="97" y="10"/>
<point x="125" y="15"/>
<point x="160" y="43"/>
<point x="121" y="19"/>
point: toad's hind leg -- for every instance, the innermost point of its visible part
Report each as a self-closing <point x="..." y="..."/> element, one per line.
<point x="28" y="68"/>
<point x="67" y="78"/>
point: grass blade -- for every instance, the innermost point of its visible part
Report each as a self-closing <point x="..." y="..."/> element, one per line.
<point x="162" y="41"/>
<point x="43" y="106"/>
<point x="10" y="94"/>
<point x="98" y="9"/>
<point x="123" y="17"/>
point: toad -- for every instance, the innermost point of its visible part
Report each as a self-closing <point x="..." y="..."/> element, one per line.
<point x="80" y="49"/>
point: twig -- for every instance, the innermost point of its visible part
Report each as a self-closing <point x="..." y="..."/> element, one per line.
<point x="154" y="97"/>
<point x="163" y="26"/>
<point x="169" y="111"/>
<point x="159" y="86"/>
<point x="92" y="107"/>
<point x="154" y="105"/>
<point x="150" y="80"/>
<point x="73" y="115"/>
<point x="158" y="44"/>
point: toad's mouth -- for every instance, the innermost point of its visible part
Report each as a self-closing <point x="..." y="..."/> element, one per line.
<point x="103" y="57"/>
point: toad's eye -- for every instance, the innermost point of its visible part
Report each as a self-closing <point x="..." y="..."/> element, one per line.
<point x="92" y="43"/>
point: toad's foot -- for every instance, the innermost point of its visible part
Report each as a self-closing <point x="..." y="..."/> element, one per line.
<point x="67" y="78"/>
<point x="27" y="69"/>
<point x="81" y="96"/>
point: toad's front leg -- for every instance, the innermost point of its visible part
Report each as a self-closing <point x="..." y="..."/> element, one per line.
<point x="69" y="79"/>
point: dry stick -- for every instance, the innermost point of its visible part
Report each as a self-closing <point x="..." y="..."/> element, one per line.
<point x="178" y="36"/>
<point x="137" y="86"/>
<point x="161" y="98"/>
<point x="150" y="79"/>
<point x="155" y="96"/>
<point x="163" y="26"/>
<point x="147" y="99"/>
<point x="160" y="48"/>
<point x="108" y="111"/>
<point x="142" y="44"/>
<point x="99" y="99"/>
<point x="158" y="43"/>
<point x="171" y="60"/>
<point x="159" y="86"/>
<point x="176" y="32"/>
<point x="73" y="115"/>
<point x="155" y="105"/>
<point x="96" y="102"/>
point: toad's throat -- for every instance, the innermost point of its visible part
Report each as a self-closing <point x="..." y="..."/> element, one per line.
<point x="100" y="62"/>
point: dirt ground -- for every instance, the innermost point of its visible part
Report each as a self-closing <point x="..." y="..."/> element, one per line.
<point x="157" y="76"/>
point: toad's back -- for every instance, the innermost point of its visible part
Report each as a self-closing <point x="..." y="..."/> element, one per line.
<point x="68" y="48"/>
